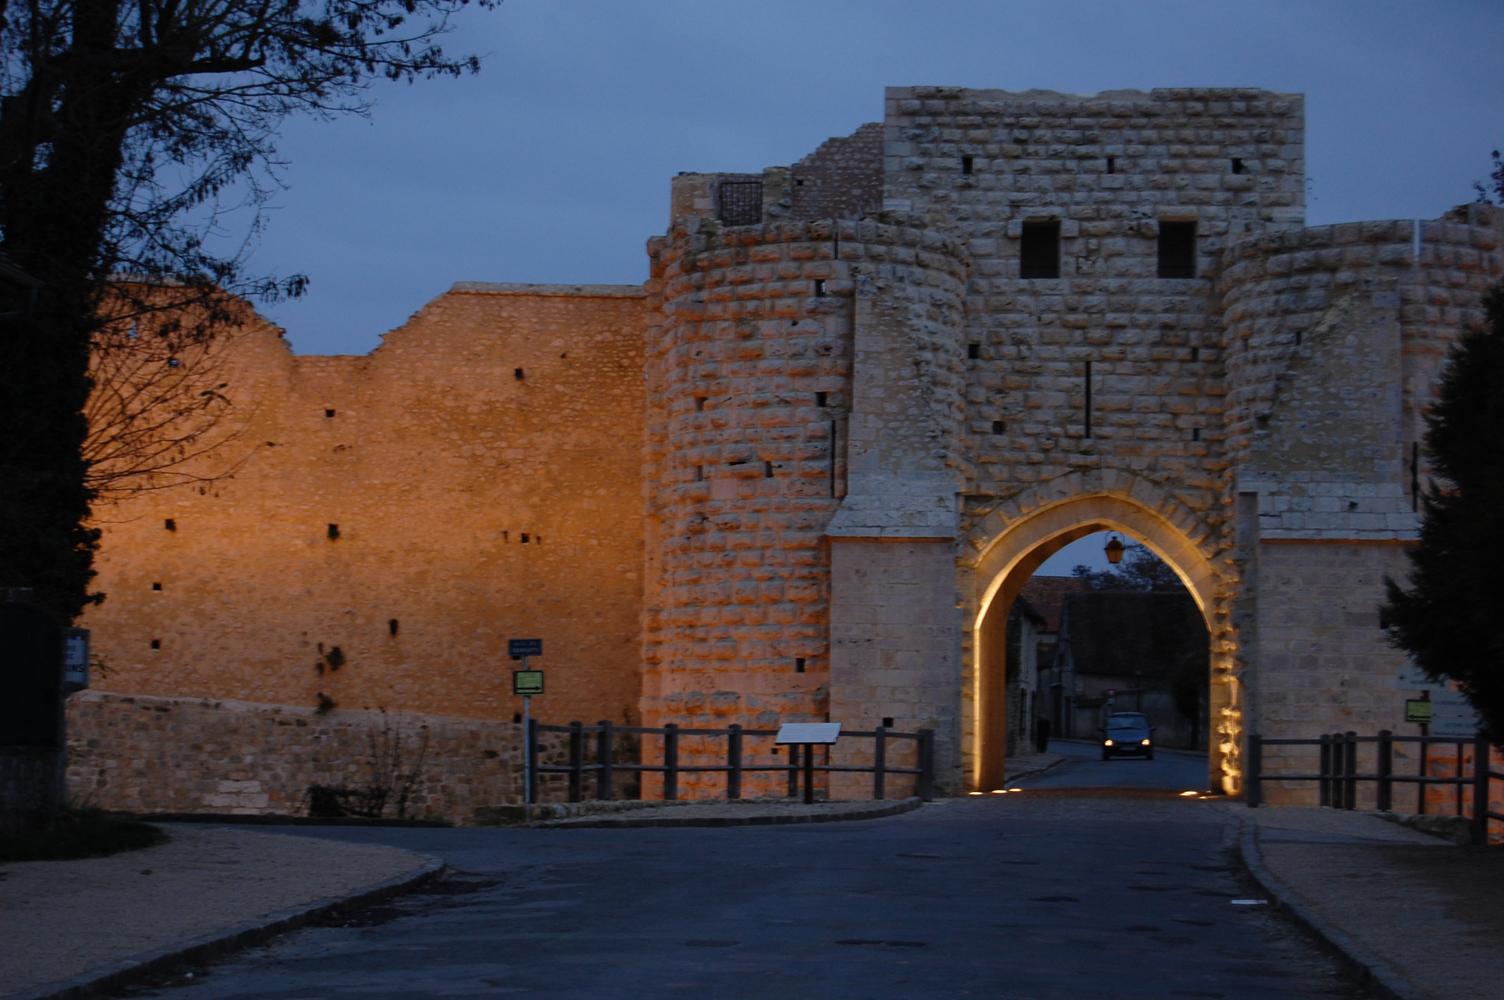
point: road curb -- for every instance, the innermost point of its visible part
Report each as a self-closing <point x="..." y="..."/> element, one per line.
<point x="1372" y="971"/>
<point x="130" y="970"/>
<point x="771" y="819"/>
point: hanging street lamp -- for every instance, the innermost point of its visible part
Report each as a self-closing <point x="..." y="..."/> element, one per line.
<point x="1114" y="550"/>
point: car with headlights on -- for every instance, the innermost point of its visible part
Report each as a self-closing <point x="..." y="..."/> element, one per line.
<point x="1127" y="733"/>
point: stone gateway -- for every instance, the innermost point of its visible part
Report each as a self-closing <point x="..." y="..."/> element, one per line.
<point x="801" y="474"/>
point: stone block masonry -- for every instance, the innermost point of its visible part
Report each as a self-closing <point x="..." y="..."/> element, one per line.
<point x="144" y="755"/>
<point x="382" y="525"/>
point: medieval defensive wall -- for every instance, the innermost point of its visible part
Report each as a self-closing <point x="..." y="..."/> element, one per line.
<point x="803" y="471"/>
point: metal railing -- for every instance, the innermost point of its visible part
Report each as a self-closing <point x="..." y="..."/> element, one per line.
<point x="604" y="768"/>
<point x="1337" y="775"/>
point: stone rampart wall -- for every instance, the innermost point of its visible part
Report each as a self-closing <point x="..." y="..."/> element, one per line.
<point x="383" y="524"/>
<point x="143" y="754"/>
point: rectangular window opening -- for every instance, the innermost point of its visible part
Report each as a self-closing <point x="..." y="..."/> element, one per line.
<point x="1177" y="249"/>
<point x="526" y="538"/>
<point x="767" y="470"/>
<point x="391" y="625"/>
<point x="518" y="374"/>
<point x="1195" y="354"/>
<point x="973" y="351"/>
<point x="1112" y="164"/>
<point x="699" y="404"/>
<point x="740" y="203"/>
<point x="821" y="398"/>
<point x="1195" y="433"/>
<point x="699" y="473"/>
<point x="328" y="413"/>
<point x="170" y="524"/>
<point x="156" y="644"/>
<point x="968" y="164"/>
<point x="333" y="532"/>
<point x="1039" y="253"/>
<point x="1237" y="165"/>
<point x="819" y="288"/>
<point x="998" y="427"/>
<point x="887" y="722"/>
<point x="156" y="587"/>
<point x="798" y="664"/>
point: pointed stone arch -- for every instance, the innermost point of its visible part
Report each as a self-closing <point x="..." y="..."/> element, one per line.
<point x="1012" y="541"/>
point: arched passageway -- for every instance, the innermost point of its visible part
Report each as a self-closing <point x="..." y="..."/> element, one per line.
<point x="1013" y="557"/>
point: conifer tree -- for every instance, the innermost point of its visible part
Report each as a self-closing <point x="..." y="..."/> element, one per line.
<point x="1451" y="618"/>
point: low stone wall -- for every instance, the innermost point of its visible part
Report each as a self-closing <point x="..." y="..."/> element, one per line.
<point x="145" y="754"/>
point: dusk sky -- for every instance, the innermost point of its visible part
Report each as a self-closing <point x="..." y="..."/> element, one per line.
<point x="553" y="164"/>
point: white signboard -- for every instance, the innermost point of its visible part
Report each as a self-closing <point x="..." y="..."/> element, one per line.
<point x="1451" y="715"/>
<point x="809" y="732"/>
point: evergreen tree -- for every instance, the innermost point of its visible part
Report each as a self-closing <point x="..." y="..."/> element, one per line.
<point x="1449" y="619"/>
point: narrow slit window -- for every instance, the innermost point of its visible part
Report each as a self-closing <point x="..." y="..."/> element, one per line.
<point x="767" y="470"/>
<point x="156" y="587"/>
<point x="1039" y="254"/>
<point x="1177" y="249"/>
<point x="1195" y="354"/>
<point x="973" y="351"/>
<point x="998" y="427"/>
<point x="1112" y="164"/>
<point x="887" y="722"/>
<point x="170" y="524"/>
<point x="798" y="664"/>
<point x="968" y="164"/>
<point x="391" y="625"/>
<point x="1195" y="433"/>
<point x="1237" y="165"/>
<point x="156" y="644"/>
<point x="328" y="413"/>
<point x="699" y="404"/>
<point x="333" y="532"/>
<point x="819" y="288"/>
<point x="699" y="473"/>
<point x="526" y="538"/>
<point x="821" y="399"/>
<point x="517" y="374"/>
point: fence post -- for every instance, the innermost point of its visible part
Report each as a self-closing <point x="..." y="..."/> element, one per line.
<point x="734" y="762"/>
<point x="809" y="774"/>
<point x="1253" y="776"/>
<point x="880" y="763"/>
<point x="1324" y="783"/>
<point x="793" y="769"/>
<point x="605" y="749"/>
<point x="670" y="761"/>
<point x="1386" y="771"/>
<point x="1457" y="788"/>
<point x="1481" y="753"/>
<point x="1420" y="788"/>
<point x="1349" y="799"/>
<point x="530" y="779"/>
<point x="927" y="765"/>
<point x="576" y="761"/>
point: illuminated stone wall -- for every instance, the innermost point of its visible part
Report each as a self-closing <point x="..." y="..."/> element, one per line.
<point x="483" y="470"/>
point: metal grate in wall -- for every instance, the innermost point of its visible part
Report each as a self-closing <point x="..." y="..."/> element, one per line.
<point x="741" y="203"/>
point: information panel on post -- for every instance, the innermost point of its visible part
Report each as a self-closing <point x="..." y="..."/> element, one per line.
<point x="518" y="648"/>
<point x="527" y="682"/>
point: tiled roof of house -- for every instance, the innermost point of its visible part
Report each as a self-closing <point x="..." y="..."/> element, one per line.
<point x="1134" y="633"/>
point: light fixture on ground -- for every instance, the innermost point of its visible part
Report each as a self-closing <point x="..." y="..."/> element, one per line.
<point x="1114" y="550"/>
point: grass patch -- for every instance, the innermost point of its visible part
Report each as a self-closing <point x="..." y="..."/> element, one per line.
<point x="81" y="833"/>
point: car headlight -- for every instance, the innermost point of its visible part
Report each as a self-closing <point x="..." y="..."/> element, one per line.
<point x="1107" y="743"/>
<point x="1146" y="742"/>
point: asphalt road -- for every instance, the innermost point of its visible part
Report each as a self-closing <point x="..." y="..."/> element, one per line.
<point x="1048" y="896"/>
<point x="1178" y="772"/>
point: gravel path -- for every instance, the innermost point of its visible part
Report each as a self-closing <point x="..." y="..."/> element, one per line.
<point x="60" y="919"/>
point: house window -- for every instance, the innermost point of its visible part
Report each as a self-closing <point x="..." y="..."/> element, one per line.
<point x="1177" y="249"/>
<point x="1040" y="250"/>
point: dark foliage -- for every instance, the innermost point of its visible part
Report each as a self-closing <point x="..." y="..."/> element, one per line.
<point x="128" y="128"/>
<point x="1495" y="187"/>
<point x="1140" y="569"/>
<point x="1448" y="620"/>
<point x="81" y="833"/>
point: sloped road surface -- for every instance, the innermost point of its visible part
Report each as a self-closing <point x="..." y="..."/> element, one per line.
<point x="1047" y="896"/>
